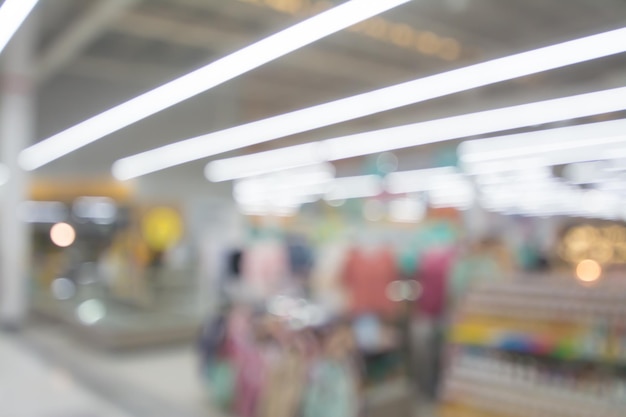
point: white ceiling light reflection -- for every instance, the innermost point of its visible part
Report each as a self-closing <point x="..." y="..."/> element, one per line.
<point x="91" y="312"/>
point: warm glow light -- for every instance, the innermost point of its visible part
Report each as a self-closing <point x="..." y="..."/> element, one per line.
<point x="62" y="235"/>
<point x="203" y="79"/>
<point x="12" y="15"/>
<point x="419" y="90"/>
<point x="588" y="270"/>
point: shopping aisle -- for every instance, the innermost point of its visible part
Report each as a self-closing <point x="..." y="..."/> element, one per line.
<point x="30" y="386"/>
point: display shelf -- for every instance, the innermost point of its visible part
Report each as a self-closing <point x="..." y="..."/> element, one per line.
<point x="539" y="348"/>
<point x="511" y="389"/>
<point x="564" y="321"/>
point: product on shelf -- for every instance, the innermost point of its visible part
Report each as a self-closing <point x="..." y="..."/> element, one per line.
<point x="538" y="348"/>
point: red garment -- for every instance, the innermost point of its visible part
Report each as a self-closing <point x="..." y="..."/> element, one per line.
<point x="366" y="277"/>
<point x="432" y="273"/>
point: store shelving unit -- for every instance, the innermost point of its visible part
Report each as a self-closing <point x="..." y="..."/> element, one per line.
<point x="538" y="347"/>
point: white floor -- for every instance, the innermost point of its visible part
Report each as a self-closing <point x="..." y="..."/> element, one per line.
<point x="31" y="387"/>
<point x="151" y="383"/>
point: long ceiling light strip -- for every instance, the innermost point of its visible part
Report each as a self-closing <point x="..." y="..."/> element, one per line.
<point x="545" y="141"/>
<point x="12" y="14"/>
<point x="439" y="130"/>
<point x="423" y="89"/>
<point x="203" y="79"/>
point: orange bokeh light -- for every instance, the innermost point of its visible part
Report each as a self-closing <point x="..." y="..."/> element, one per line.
<point x="62" y="235"/>
<point x="588" y="270"/>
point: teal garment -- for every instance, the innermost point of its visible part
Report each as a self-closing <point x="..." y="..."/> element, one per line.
<point x="408" y="261"/>
<point x="527" y="256"/>
<point x="435" y="234"/>
<point x="469" y="271"/>
<point x="331" y="392"/>
<point x="220" y="377"/>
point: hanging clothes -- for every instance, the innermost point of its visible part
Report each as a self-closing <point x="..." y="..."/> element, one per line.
<point x="367" y="275"/>
<point x="469" y="271"/>
<point x="332" y="390"/>
<point x="265" y="267"/>
<point x="282" y="392"/>
<point x="326" y="282"/>
<point x="427" y="328"/>
<point x="435" y="266"/>
<point x="300" y="256"/>
<point x="251" y="374"/>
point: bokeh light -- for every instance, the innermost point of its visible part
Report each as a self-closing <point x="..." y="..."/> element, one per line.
<point x="90" y="312"/>
<point x="62" y="235"/>
<point x="588" y="270"/>
<point x="63" y="288"/>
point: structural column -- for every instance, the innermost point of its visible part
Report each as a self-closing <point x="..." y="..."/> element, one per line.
<point x="17" y="129"/>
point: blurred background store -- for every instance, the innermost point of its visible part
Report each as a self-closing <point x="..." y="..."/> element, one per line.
<point x="284" y="208"/>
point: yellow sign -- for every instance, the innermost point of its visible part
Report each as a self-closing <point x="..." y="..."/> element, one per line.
<point x="162" y="228"/>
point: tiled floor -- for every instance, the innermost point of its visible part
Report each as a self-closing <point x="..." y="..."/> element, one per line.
<point x="31" y="387"/>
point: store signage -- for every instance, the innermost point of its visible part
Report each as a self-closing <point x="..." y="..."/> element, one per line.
<point x="162" y="228"/>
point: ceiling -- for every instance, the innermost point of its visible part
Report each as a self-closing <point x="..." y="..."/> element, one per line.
<point x="94" y="54"/>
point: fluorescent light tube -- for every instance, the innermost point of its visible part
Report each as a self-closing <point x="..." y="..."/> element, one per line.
<point x="354" y="187"/>
<point x="544" y="141"/>
<point x="265" y="162"/>
<point x="439" y="130"/>
<point x="12" y="15"/>
<point x="490" y="72"/>
<point x="203" y="79"/>
<point x="419" y="180"/>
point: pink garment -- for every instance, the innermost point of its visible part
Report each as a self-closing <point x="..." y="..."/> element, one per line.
<point x="433" y="274"/>
<point x="251" y="366"/>
<point x="367" y="276"/>
<point x="247" y="358"/>
<point x="264" y="267"/>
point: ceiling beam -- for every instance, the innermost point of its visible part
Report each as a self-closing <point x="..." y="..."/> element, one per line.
<point x="316" y="59"/>
<point x="79" y="35"/>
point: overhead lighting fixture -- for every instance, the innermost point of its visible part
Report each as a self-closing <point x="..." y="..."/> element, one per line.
<point x="263" y="162"/>
<point x="12" y="14"/>
<point x="422" y="133"/>
<point x="598" y="135"/>
<point x="361" y="186"/>
<point x="287" y="187"/>
<point x="201" y="80"/>
<point x="418" y="180"/>
<point x="423" y="89"/>
<point x="406" y="210"/>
